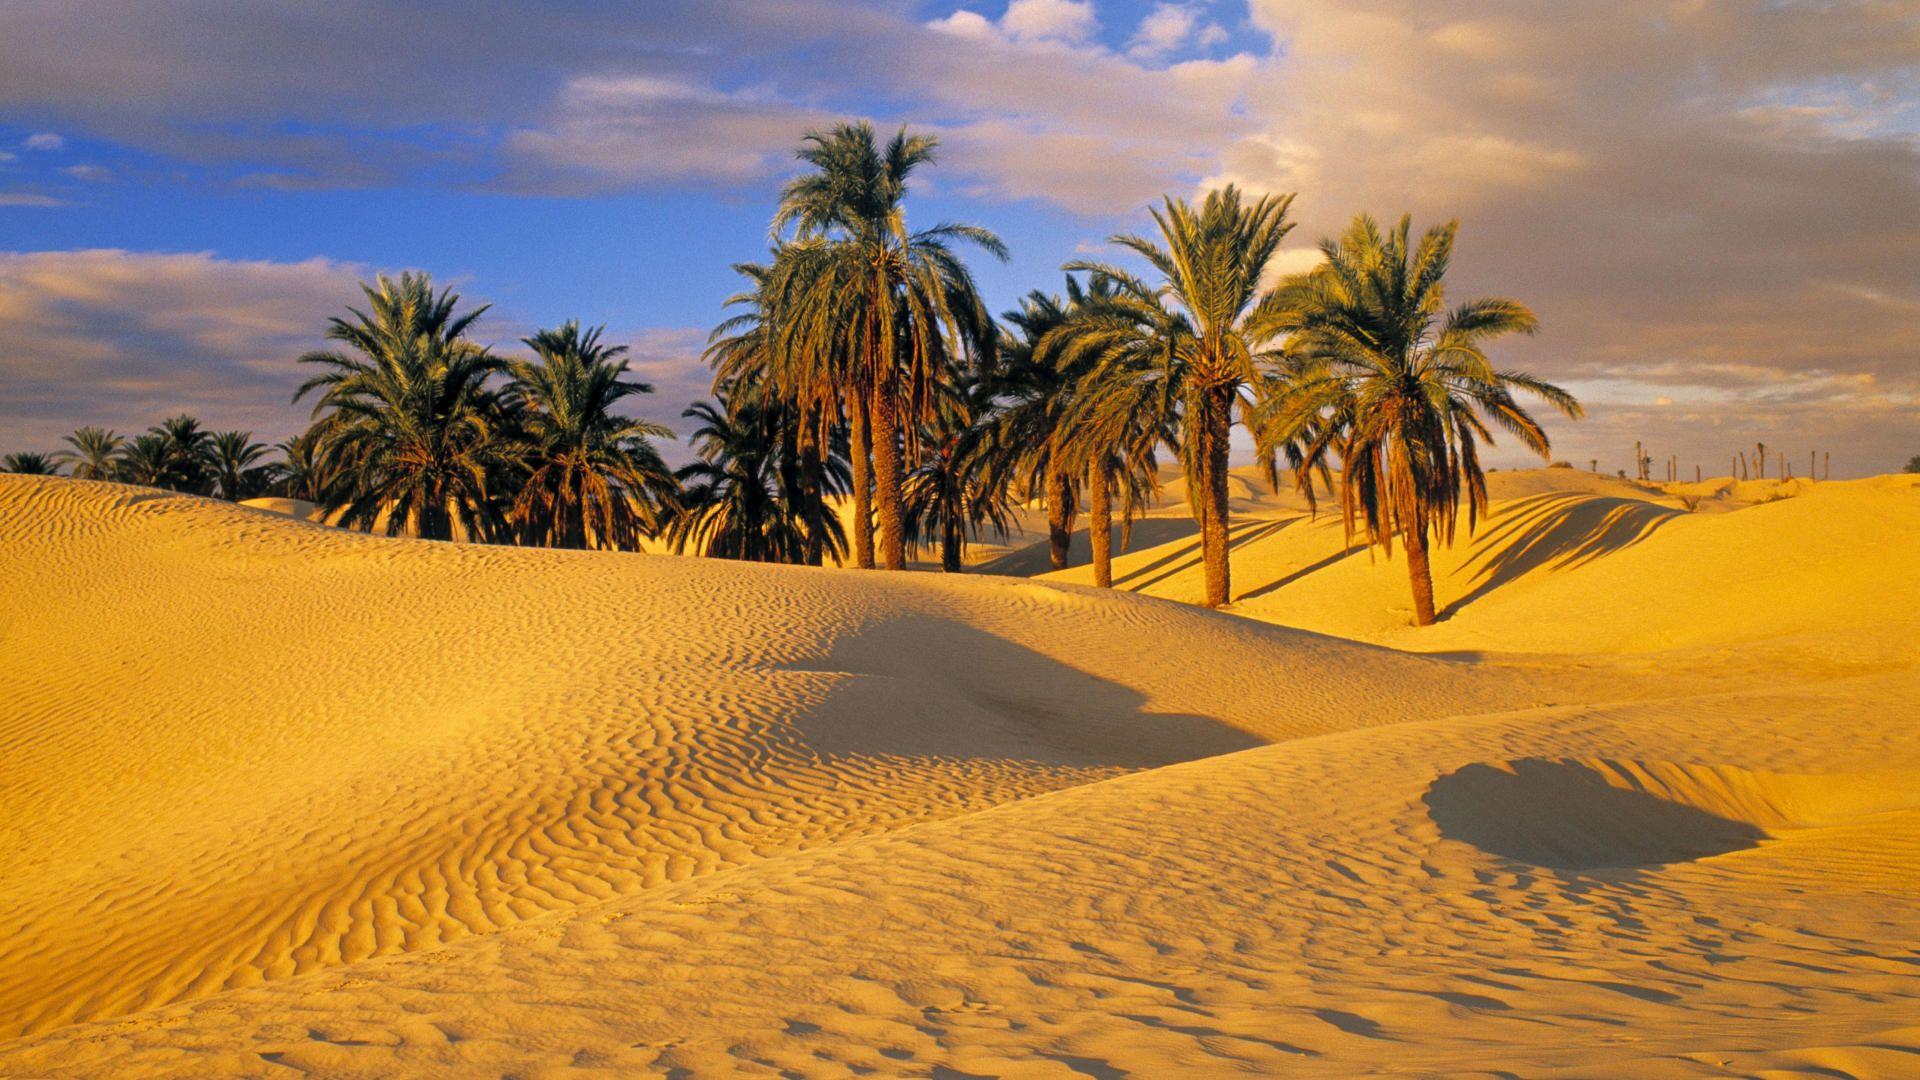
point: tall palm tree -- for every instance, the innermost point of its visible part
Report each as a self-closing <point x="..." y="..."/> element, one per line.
<point x="593" y="477"/>
<point x="1035" y="382"/>
<point x="239" y="465"/>
<point x="953" y="493"/>
<point x="91" y="453"/>
<point x="752" y="365"/>
<point x="30" y="463"/>
<point x="877" y="314"/>
<point x="1209" y="262"/>
<point x="730" y="504"/>
<point x="1401" y="389"/>
<point x="407" y="404"/>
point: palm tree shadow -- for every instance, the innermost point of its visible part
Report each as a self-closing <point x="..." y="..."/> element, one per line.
<point x="1557" y="531"/>
<point x="1188" y="556"/>
<point x="923" y="686"/>
<point x="1289" y="579"/>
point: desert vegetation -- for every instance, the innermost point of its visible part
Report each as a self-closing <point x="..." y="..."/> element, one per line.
<point x="862" y="364"/>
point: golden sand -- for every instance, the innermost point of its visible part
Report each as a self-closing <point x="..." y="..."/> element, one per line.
<point x="279" y="795"/>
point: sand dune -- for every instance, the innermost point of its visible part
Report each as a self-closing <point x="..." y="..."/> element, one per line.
<point x="280" y="795"/>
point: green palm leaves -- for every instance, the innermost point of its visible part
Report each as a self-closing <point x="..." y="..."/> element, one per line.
<point x="873" y="316"/>
<point x="1190" y="343"/>
<point x="407" y="402"/>
<point x="592" y="477"/>
<point x="412" y="434"/>
<point x="91" y="453"/>
<point x="1400" y="388"/>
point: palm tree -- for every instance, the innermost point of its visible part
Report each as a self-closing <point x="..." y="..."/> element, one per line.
<point x="144" y="460"/>
<point x="1035" y="381"/>
<point x="309" y="469"/>
<point x="593" y="477"/>
<point x="91" y="453"/>
<point x="237" y="465"/>
<point x="1401" y="388"/>
<point x="730" y="504"/>
<point x="750" y="363"/>
<point x="30" y="463"/>
<point x="875" y="315"/>
<point x="1207" y="351"/>
<point x="407" y="405"/>
<point x="952" y="493"/>
<point x="188" y="452"/>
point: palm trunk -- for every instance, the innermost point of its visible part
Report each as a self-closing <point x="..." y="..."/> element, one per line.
<point x="1415" y="539"/>
<point x="1217" y="405"/>
<point x="950" y="547"/>
<point x="1100" y="524"/>
<point x="862" y="453"/>
<point x="886" y="477"/>
<point x="1060" y="510"/>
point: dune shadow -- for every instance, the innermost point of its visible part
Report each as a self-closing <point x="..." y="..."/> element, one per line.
<point x="1564" y="815"/>
<point x="922" y="686"/>
<point x="1555" y="530"/>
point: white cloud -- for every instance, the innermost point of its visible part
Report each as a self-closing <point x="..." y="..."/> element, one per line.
<point x="27" y="198"/>
<point x="1059" y="20"/>
<point x="1164" y="29"/>
<point x="90" y="173"/>
<point x="44" y="140"/>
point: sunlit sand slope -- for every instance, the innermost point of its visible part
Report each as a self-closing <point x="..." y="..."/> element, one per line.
<point x="1722" y="885"/>
<point x="239" y="747"/>
<point x="1570" y="562"/>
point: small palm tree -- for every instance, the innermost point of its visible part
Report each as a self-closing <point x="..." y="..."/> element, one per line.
<point x="406" y="406"/>
<point x="30" y="463"/>
<point x="752" y="364"/>
<point x="1118" y="424"/>
<point x="188" y="453"/>
<point x="1206" y="351"/>
<point x="91" y="453"/>
<point x="1401" y="389"/>
<point x="875" y="316"/>
<point x="1035" y="382"/>
<point x="310" y="469"/>
<point x="240" y="469"/>
<point x="145" y="460"/>
<point x="592" y="477"/>
<point x="730" y="503"/>
<point x="953" y="494"/>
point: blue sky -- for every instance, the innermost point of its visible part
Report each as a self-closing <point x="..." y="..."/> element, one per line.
<point x="1712" y="208"/>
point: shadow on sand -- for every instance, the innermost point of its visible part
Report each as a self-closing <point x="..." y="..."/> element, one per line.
<point x="924" y="686"/>
<point x="1563" y="815"/>
<point x="1557" y="531"/>
<point x="1036" y="559"/>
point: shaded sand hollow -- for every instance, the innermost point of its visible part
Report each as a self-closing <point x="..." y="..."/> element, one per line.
<point x="281" y="797"/>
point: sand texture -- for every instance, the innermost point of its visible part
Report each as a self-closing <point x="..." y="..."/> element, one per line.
<point x="279" y="796"/>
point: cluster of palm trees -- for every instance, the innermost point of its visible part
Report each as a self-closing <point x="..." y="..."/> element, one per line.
<point x="179" y="454"/>
<point x="866" y="340"/>
<point x="863" y="371"/>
